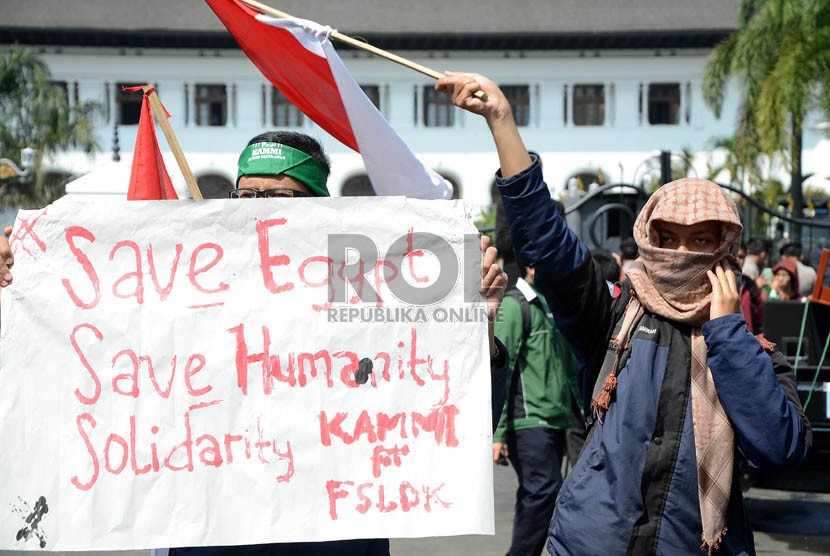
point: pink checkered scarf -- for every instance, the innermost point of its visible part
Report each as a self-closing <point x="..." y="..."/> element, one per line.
<point x="674" y="284"/>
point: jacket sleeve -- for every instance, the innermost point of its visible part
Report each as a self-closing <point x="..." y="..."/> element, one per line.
<point x="758" y="394"/>
<point x="565" y="272"/>
<point x="509" y="329"/>
<point x="498" y="381"/>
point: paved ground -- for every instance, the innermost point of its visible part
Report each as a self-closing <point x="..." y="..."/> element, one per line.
<point x="785" y="523"/>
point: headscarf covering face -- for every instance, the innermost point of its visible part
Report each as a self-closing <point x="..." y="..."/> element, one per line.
<point x="273" y="159"/>
<point x="674" y="283"/>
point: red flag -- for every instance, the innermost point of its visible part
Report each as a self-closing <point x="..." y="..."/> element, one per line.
<point x="297" y="57"/>
<point x="149" y="179"/>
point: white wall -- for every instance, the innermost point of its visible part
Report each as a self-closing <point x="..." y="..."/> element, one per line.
<point x="465" y="151"/>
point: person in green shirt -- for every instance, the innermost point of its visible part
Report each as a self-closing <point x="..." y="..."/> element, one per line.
<point x="537" y="410"/>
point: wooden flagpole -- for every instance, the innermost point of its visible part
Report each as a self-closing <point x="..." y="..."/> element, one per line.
<point x="363" y="46"/>
<point x="355" y="43"/>
<point x="172" y="142"/>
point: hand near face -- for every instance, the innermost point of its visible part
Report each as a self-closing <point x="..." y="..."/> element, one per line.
<point x="781" y="281"/>
<point x="6" y="258"/>
<point x="726" y="299"/>
<point x="493" y="278"/>
<point x="493" y="284"/>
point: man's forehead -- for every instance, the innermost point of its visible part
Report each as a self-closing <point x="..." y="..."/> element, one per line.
<point x="697" y="227"/>
<point x="271" y="181"/>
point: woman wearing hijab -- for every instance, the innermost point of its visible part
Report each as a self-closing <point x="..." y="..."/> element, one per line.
<point x="784" y="281"/>
<point x="688" y="390"/>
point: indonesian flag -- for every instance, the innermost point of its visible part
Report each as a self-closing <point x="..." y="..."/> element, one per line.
<point x="149" y="180"/>
<point x="297" y="57"/>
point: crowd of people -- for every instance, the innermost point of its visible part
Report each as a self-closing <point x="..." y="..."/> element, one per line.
<point x="634" y="364"/>
<point x="790" y="278"/>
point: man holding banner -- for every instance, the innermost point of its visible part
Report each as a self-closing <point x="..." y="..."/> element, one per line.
<point x="286" y="165"/>
<point x="273" y="165"/>
<point x="186" y="446"/>
<point x="268" y="419"/>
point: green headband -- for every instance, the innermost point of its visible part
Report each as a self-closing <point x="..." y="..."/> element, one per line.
<point x="272" y="159"/>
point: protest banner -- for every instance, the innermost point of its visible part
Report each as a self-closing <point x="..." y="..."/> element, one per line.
<point x="198" y="373"/>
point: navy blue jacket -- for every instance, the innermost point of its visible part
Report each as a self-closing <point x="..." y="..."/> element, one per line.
<point x="634" y="488"/>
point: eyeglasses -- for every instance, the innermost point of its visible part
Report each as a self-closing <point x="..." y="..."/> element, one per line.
<point x="253" y="193"/>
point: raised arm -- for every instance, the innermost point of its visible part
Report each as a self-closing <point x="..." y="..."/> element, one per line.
<point x="565" y="273"/>
<point x="495" y="108"/>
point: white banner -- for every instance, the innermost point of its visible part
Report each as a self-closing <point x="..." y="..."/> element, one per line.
<point x="196" y="373"/>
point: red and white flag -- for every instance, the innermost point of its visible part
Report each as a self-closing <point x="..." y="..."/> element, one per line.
<point x="297" y="57"/>
<point x="149" y="180"/>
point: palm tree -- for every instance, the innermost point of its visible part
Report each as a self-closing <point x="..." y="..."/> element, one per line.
<point x="780" y="56"/>
<point x="37" y="113"/>
<point x="740" y="171"/>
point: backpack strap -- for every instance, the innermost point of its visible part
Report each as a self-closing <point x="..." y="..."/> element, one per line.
<point x="526" y="322"/>
<point x="616" y="357"/>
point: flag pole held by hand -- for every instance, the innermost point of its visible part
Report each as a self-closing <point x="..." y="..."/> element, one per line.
<point x="161" y="117"/>
<point x="362" y="45"/>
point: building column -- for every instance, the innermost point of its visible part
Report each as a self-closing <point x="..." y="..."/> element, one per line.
<point x="400" y="110"/>
<point x="551" y="108"/>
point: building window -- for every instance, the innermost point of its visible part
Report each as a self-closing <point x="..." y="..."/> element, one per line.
<point x="373" y="92"/>
<point x="56" y="180"/>
<point x="214" y="186"/>
<point x="283" y="113"/>
<point x="358" y="186"/>
<point x="589" y="104"/>
<point x="264" y="105"/>
<point x="233" y="104"/>
<point x="664" y="103"/>
<point x="519" y="98"/>
<point x="584" y="179"/>
<point x="129" y="104"/>
<point x="640" y="105"/>
<point x="186" y="104"/>
<point x="456" y="189"/>
<point x="211" y="105"/>
<point x="688" y="97"/>
<point x="63" y="87"/>
<point x="108" y="101"/>
<point x="439" y="111"/>
<point x="565" y="103"/>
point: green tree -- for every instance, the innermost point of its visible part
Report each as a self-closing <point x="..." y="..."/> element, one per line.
<point x="740" y="171"/>
<point x="36" y="113"/>
<point x="780" y="57"/>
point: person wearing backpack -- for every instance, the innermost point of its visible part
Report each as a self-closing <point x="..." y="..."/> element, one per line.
<point x="688" y="392"/>
<point x="537" y="410"/>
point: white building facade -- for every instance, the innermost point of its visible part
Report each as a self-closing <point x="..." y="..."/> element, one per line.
<point x="595" y="105"/>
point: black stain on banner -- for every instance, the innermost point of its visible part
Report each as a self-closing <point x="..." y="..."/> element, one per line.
<point x="364" y="369"/>
<point x="32" y="518"/>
